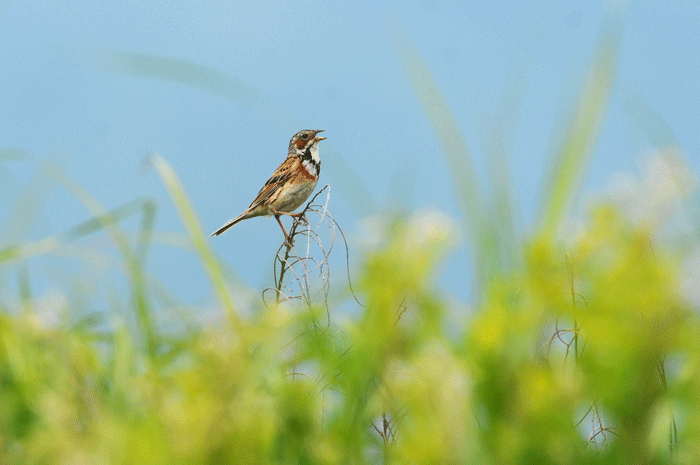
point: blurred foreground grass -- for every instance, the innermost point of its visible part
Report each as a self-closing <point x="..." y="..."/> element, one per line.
<point x="582" y="348"/>
<point x="586" y="353"/>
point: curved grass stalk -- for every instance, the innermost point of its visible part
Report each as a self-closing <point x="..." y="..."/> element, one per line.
<point x="132" y="261"/>
<point x="197" y="235"/>
<point x="574" y="152"/>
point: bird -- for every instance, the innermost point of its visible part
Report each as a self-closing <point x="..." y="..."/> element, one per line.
<point x="290" y="185"/>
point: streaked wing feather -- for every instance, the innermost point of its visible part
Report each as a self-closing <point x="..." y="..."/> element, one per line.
<point x="278" y="178"/>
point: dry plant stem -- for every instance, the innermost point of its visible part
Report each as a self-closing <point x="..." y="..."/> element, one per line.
<point x="297" y="269"/>
<point x="288" y="258"/>
<point x="289" y="240"/>
<point x="288" y="243"/>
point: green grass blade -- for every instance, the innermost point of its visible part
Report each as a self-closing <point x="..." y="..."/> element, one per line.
<point x="578" y="142"/>
<point x="91" y="226"/>
<point x="12" y="153"/>
<point x="25" y="288"/>
<point x="482" y="230"/>
<point x="498" y="145"/>
<point x="134" y="269"/>
<point x="204" y="78"/>
<point x="197" y="236"/>
<point x="26" y="208"/>
<point x="653" y="125"/>
<point x="112" y="217"/>
<point x="23" y="214"/>
<point x="9" y="185"/>
<point x="145" y="231"/>
<point x="446" y="129"/>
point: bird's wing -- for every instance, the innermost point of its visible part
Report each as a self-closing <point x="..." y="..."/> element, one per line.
<point x="283" y="174"/>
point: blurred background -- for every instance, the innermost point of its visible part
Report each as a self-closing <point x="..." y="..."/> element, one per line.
<point x="517" y="183"/>
<point x="94" y="87"/>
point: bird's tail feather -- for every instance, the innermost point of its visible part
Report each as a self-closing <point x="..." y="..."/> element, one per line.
<point x="223" y="229"/>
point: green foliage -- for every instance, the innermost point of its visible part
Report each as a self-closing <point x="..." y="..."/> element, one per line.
<point x="619" y="295"/>
<point x="391" y="385"/>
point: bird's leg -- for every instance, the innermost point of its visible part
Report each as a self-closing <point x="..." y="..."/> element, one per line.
<point x="300" y="216"/>
<point x="287" y="239"/>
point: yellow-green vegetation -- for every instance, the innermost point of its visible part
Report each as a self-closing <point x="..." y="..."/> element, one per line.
<point x="590" y="332"/>
<point x="581" y="350"/>
<point x="584" y="354"/>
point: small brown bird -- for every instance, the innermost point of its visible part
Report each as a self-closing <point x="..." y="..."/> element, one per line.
<point x="290" y="185"/>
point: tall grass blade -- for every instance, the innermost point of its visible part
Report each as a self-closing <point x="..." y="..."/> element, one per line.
<point x="9" y="185"/>
<point x="22" y="215"/>
<point x="197" y="236"/>
<point x="145" y="231"/>
<point x="134" y="269"/>
<point x="91" y="226"/>
<point x="12" y="153"/>
<point x="204" y="78"/>
<point x="446" y="129"/>
<point x="25" y="289"/>
<point x="456" y="153"/>
<point x="502" y="215"/>
<point x="653" y="125"/>
<point x="26" y="206"/>
<point x="572" y="156"/>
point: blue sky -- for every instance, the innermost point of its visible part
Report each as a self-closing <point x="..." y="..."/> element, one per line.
<point x="327" y="65"/>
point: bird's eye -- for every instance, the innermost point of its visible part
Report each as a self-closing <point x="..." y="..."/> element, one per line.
<point x="305" y="136"/>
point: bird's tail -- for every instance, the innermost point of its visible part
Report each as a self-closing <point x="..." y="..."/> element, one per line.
<point x="241" y="217"/>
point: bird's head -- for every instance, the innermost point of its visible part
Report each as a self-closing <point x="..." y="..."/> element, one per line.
<point x="305" y="141"/>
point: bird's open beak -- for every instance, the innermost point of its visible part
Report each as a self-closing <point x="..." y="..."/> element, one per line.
<point x="317" y="139"/>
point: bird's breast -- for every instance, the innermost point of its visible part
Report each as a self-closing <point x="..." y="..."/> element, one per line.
<point x="293" y="195"/>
